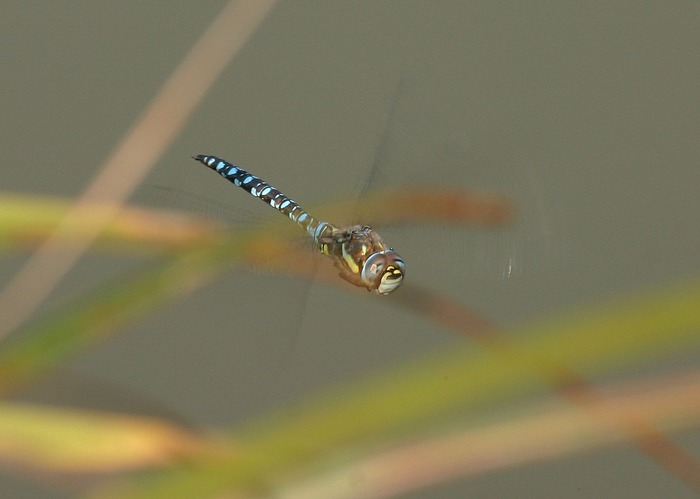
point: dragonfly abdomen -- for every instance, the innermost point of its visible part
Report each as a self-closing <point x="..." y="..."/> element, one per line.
<point x="271" y="195"/>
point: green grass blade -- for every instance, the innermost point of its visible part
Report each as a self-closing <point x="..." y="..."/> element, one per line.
<point x="48" y="342"/>
<point x="623" y="332"/>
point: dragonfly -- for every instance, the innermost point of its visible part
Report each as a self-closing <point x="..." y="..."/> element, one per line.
<point x="358" y="251"/>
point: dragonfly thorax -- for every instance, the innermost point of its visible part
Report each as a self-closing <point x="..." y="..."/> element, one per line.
<point x="363" y="259"/>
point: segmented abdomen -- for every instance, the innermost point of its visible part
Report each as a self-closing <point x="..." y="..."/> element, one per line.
<point x="269" y="194"/>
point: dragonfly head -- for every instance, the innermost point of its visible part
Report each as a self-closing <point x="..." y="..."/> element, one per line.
<point x="383" y="271"/>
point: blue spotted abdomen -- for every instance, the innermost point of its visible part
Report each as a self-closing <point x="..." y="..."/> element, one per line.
<point x="269" y="194"/>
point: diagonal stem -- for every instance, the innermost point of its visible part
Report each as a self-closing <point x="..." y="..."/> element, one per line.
<point x="131" y="160"/>
<point x="467" y="323"/>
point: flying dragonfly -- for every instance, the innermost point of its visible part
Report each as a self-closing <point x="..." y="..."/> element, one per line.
<point x="358" y="252"/>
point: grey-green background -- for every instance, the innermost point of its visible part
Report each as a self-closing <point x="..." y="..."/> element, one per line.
<point x="585" y="114"/>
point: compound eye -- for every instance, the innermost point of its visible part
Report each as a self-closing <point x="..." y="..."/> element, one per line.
<point x="392" y="277"/>
<point x="383" y="272"/>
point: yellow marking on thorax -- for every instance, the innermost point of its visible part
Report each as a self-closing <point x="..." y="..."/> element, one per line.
<point x="354" y="268"/>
